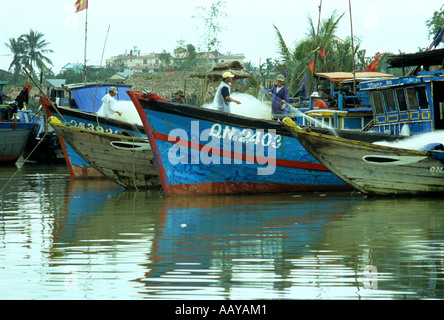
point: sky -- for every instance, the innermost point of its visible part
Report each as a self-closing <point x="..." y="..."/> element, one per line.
<point x="116" y="26"/>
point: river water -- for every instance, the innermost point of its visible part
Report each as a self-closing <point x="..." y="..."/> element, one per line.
<point x="95" y="240"/>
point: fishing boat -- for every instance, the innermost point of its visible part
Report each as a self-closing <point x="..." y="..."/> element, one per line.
<point x="204" y="151"/>
<point x="126" y="160"/>
<point x="14" y="134"/>
<point x="376" y="169"/>
<point x="78" y="167"/>
<point x="411" y="104"/>
<point x="16" y="126"/>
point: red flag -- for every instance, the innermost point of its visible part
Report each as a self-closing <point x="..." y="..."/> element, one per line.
<point x="322" y="53"/>
<point x="374" y="65"/>
<point x="311" y="66"/>
<point x="378" y="56"/>
<point x="81" y="5"/>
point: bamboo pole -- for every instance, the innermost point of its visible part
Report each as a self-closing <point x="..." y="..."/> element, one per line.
<point x="316" y="45"/>
<point x="84" y="52"/>
<point x="100" y="69"/>
<point x="353" y="48"/>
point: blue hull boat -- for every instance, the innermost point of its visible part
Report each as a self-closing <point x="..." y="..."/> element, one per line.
<point x="412" y="104"/>
<point x="200" y="151"/>
<point x="14" y="134"/>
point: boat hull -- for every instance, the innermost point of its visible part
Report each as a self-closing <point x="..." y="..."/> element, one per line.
<point x="200" y="151"/>
<point x="78" y="167"/>
<point x="128" y="161"/>
<point x="13" y="138"/>
<point x="374" y="169"/>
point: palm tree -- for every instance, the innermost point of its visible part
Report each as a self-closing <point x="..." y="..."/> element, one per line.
<point x="35" y="47"/>
<point x="338" y="53"/>
<point x="17" y="47"/>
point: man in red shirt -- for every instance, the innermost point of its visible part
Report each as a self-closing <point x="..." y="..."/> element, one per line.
<point x="317" y="102"/>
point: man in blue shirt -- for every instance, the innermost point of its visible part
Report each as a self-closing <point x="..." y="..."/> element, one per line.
<point x="222" y="98"/>
<point x="280" y="101"/>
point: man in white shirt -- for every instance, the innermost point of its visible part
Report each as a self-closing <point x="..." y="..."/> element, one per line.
<point x="222" y="98"/>
<point x="108" y="108"/>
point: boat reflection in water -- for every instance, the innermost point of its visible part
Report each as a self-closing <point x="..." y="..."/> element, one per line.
<point x="227" y="246"/>
<point x="92" y="239"/>
<point x="311" y="247"/>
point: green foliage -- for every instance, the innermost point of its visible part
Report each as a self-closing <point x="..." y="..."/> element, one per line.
<point x="165" y="59"/>
<point x="435" y="22"/>
<point x="29" y="51"/>
<point x="210" y="17"/>
<point x="339" y="54"/>
<point x="92" y="75"/>
<point x="189" y="63"/>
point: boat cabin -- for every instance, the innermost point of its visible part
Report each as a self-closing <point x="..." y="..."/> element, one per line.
<point x="412" y="104"/>
<point x="85" y="97"/>
<point x="349" y="107"/>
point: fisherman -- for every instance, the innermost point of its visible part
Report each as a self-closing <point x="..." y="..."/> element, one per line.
<point x="108" y="108"/>
<point x="178" y="97"/>
<point x="22" y="98"/>
<point x="280" y="101"/>
<point x="317" y="102"/>
<point x="222" y="99"/>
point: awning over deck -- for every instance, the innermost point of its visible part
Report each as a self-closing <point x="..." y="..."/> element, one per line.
<point x="342" y="76"/>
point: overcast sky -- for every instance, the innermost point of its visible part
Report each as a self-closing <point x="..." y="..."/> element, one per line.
<point x="154" y="26"/>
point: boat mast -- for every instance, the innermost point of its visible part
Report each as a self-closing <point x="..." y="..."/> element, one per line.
<point x="84" y="53"/>
<point x="353" y="47"/>
<point x="316" y="46"/>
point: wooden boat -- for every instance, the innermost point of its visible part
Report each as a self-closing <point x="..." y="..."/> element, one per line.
<point x="128" y="161"/>
<point x="376" y="169"/>
<point x="14" y="134"/>
<point x="77" y="166"/>
<point x="412" y="104"/>
<point x="243" y="155"/>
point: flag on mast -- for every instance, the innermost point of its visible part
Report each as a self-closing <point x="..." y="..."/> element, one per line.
<point x="81" y="5"/>
<point x="372" y="67"/>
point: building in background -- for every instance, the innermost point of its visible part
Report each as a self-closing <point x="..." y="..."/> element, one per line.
<point x="135" y="61"/>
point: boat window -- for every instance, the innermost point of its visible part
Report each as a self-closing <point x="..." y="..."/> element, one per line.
<point x="400" y="96"/>
<point x="422" y="98"/>
<point x="417" y="98"/>
<point x="377" y="102"/>
<point x="413" y="100"/>
<point x="389" y="100"/>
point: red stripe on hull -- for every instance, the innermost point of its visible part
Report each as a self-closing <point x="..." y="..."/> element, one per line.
<point x="241" y="156"/>
<point x="246" y="187"/>
<point x="81" y="172"/>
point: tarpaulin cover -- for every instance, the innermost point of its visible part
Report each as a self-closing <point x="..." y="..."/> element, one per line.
<point x="85" y="96"/>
